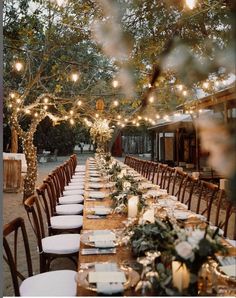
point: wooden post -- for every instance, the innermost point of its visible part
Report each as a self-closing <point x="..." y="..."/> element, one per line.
<point x="14" y="141"/>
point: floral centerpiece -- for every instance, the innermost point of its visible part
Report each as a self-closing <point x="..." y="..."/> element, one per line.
<point x="126" y="187"/>
<point x="101" y="133"/>
<point x="190" y="248"/>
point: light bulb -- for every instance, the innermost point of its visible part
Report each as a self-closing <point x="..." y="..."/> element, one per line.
<point x="72" y="121"/>
<point x="185" y="93"/>
<point x="115" y="83"/>
<point x="45" y="100"/>
<point x="180" y="87"/>
<point x="119" y="117"/>
<point x="157" y="116"/>
<point x="115" y="103"/>
<point x="191" y="3"/>
<point x="18" y="100"/>
<point x="79" y="103"/>
<point x="151" y="99"/>
<point x="18" y="66"/>
<point x="74" y="77"/>
<point x="45" y="108"/>
<point x="71" y="112"/>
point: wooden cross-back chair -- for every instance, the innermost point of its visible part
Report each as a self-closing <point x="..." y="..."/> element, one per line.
<point x="54" y="283"/>
<point x="50" y="247"/>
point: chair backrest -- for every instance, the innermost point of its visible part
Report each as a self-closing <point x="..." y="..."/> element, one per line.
<point x="32" y="207"/>
<point x="204" y="195"/>
<point x="177" y="183"/>
<point x="225" y="215"/>
<point x="167" y="178"/>
<point x="11" y="242"/>
<point x="47" y="201"/>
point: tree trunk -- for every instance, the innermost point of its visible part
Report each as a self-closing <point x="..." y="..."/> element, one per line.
<point x="31" y="160"/>
<point x="14" y="141"/>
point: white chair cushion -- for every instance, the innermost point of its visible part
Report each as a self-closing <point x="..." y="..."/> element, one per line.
<point x="53" y="283"/>
<point x="78" y="177"/>
<point x="66" y="221"/>
<point x="76" y="182"/>
<point x="80" y="167"/>
<point x="61" y="244"/>
<point x="74" y="199"/>
<point x="69" y="209"/>
<point x="74" y="186"/>
<point x="73" y="192"/>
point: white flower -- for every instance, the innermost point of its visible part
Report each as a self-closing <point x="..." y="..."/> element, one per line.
<point x="120" y="176"/>
<point x="195" y="237"/>
<point x="126" y="185"/>
<point x="184" y="250"/>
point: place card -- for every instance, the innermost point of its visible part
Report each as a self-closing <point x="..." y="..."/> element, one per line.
<point x="104" y="244"/>
<point x="109" y="276"/>
<point x="108" y="237"/>
<point x="229" y="270"/>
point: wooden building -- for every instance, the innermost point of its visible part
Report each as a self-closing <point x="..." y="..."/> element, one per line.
<point x="176" y="140"/>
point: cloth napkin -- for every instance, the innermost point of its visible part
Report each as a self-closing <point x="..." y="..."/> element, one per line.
<point x="108" y="288"/>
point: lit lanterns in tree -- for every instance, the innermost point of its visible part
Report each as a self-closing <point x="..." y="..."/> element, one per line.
<point x="100" y="105"/>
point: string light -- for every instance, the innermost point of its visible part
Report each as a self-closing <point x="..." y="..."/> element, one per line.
<point x="10" y="105"/>
<point x="180" y="87"/>
<point x="61" y="2"/>
<point x="74" y="76"/>
<point x="46" y="100"/>
<point x="137" y="124"/>
<point x="72" y="121"/>
<point x="126" y="120"/>
<point x="116" y="103"/>
<point x="36" y="114"/>
<point x="151" y="99"/>
<point x="17" y="109"/>
<point x="96" y="115"/>
<point x="12" y="95"/>
<point x="66" y="117"/>
<point x="18" y="100"/>
<point x="122" y="125"/>
<point x="139" y="117"/>
<point x="115" y="83"/>
<point x="45" y="108"/>
<point x="157" y="116"/>
<point x="190" y="3"/>
<point x="119" y="117"/>
<point x="200" y="111"/>
<point x="79" y="103"/>
<point x="18" y="66"/>
<point x="149" y="85"/>
<point x="71" y="112"/>
<point x="27" y="111"/>
<point x="185" y="92"/>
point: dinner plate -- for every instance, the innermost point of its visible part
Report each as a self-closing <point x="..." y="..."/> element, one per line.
<point x="84" y="237"/>
<point x="97" y="194"/>
<point x="95" y="185"/>
<point x="94" y="174"/>
<point x="100" y="210"/>
<point x="132" y="277"/>
<point x="95" y="179"/>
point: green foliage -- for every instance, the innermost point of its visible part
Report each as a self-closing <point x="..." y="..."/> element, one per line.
<point x="61" y="137"/>
<point x="158" y="236"/>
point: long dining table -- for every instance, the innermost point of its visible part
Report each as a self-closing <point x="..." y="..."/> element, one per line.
<point x="112" y="221"/>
